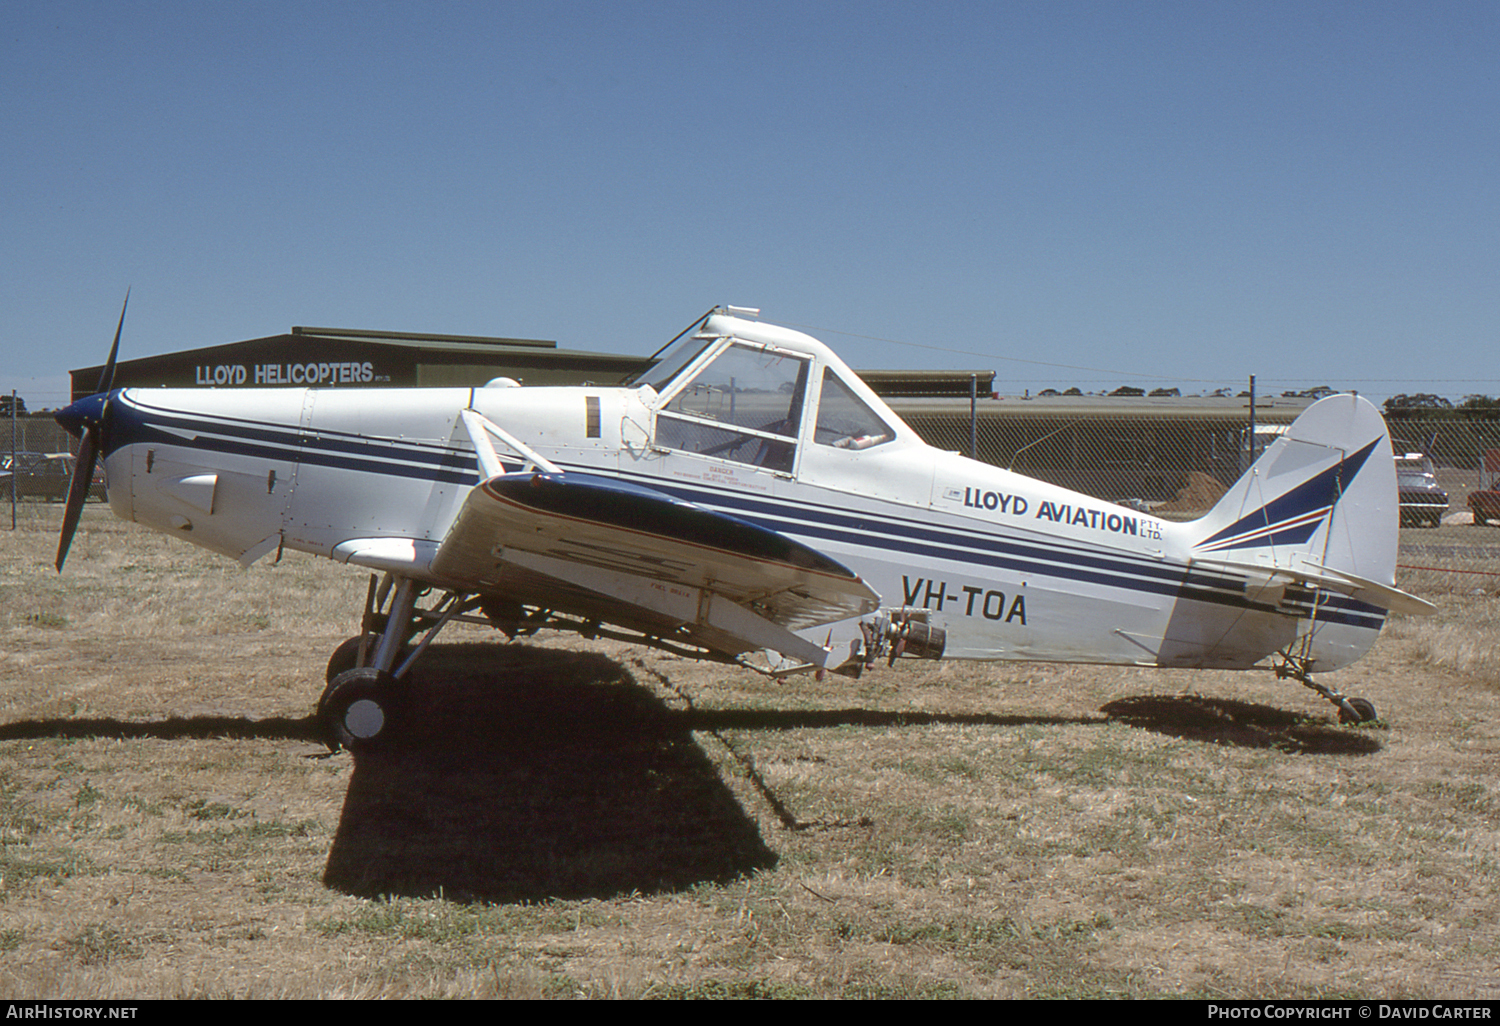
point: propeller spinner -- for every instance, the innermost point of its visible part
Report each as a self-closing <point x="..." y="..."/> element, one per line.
<point x="87" y="419"/>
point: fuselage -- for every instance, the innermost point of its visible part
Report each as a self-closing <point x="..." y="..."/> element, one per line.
<point x="1010" y="567"/>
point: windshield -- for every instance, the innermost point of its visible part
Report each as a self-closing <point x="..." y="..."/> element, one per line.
<point x="672" y="362"/>
<point x="749" y="387"/>
<point x="744" y="406"/>
<point x="1413" y="472"/>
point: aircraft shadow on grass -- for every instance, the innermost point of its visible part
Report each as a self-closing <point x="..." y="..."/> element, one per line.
<point x="1239" y="724"/>
<point x="529" y="773"/>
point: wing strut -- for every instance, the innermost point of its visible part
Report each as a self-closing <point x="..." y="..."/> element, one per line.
<point x="481" y="428"/>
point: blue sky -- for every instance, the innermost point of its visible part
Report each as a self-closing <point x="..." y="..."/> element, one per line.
<point x="1070" y="193"/>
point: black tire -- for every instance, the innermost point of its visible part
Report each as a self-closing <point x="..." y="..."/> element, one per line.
<point x="345" y="656"/>
<point x="1364" y="711"/>
<point x="361" y="710"/>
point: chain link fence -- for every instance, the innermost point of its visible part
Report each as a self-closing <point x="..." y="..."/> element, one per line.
<point x="1173" y="458"/>
<point x="34" y="433"/>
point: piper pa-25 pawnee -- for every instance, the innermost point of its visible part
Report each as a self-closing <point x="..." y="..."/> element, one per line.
<point x="747" y="499"/>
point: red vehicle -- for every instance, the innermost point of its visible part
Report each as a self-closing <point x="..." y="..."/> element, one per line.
<point x="1485" y="503"/>
<point x="1485" y="506"/>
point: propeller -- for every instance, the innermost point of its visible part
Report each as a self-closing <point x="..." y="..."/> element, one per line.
<point x="87" y="419"/>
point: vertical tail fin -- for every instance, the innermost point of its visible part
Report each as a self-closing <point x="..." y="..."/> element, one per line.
<point x="1312" y="526"/>
<point x="1321" y="498"/>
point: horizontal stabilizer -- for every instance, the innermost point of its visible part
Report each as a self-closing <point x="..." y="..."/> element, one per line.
<point x="1359" y="588"/>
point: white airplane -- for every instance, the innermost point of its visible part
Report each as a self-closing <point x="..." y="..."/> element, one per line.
<point x="747" y="499"/>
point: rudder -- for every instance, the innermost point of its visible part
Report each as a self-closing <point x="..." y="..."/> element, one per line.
<point x="1318" y="515"/>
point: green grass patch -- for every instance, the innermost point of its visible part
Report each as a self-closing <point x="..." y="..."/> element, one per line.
<point x="98" y="944"/>
<point x="47" y="621"/>
<point x="202" y="809"/>
<point x="15" y="869"/>
<point x="434" y="921"/>
<point x="715" y="989"/>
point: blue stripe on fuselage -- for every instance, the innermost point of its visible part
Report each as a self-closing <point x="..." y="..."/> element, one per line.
<point x="916" y="538"/>
<point x="138" y="423"/>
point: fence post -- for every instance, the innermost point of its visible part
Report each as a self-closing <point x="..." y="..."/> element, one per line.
<point x="973" y="416"/>
<point x="1251" y="440"/>
<point x="13" y="459"/>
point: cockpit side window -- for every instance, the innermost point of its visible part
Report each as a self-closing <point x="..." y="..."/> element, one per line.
<point x="745" y="406"/>
<point x="844" y="420"/>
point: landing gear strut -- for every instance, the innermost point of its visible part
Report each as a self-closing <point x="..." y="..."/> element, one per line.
<point x="1351" y="710"/>
<point x="366" y="702"/>
<point x="363" y="705"/>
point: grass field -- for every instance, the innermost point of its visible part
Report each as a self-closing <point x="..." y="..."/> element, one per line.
<point x="588" y="819"/>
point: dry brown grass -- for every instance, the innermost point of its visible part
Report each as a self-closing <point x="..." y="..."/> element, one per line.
<point x="602" y="821"/>
<point x="1466" y="642"/>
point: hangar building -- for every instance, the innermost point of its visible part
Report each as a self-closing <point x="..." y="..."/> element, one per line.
<point x="344" y="357"/>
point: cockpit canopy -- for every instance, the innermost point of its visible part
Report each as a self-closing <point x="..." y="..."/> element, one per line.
<point x="726" y="393"/>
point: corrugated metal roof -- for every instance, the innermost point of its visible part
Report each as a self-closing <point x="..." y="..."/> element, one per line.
<point x="420" y="339"/>
<point x="890" y="383"/>
<point x="1067" y="406"/>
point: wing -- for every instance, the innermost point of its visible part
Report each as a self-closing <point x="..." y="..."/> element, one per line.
<point x="639" y="557"/>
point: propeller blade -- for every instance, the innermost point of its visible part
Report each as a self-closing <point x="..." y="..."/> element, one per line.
<point x="78" y="491"/>
<point x="88" y="419"/>
<point x="107" y="376"/>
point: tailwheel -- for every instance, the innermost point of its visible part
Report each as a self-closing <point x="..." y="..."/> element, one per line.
<point x="1352" y="711"/>
<point x="361" y="709"/>
<point x="1357" y="710"/>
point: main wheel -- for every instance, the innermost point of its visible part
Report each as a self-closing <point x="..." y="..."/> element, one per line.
<point x="1363" y="708"/>
<point x="361" y="709"/>
<point x="346" y="656"/>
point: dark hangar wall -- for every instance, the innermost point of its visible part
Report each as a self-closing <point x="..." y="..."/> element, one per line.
<point x="344" y="357"/>
<point x="334" y="357"/>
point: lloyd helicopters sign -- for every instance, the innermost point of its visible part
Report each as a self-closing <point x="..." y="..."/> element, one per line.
<point x="263" y="374"/>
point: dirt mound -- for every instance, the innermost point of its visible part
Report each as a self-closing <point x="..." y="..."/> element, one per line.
<point x="1200" y="493"/>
